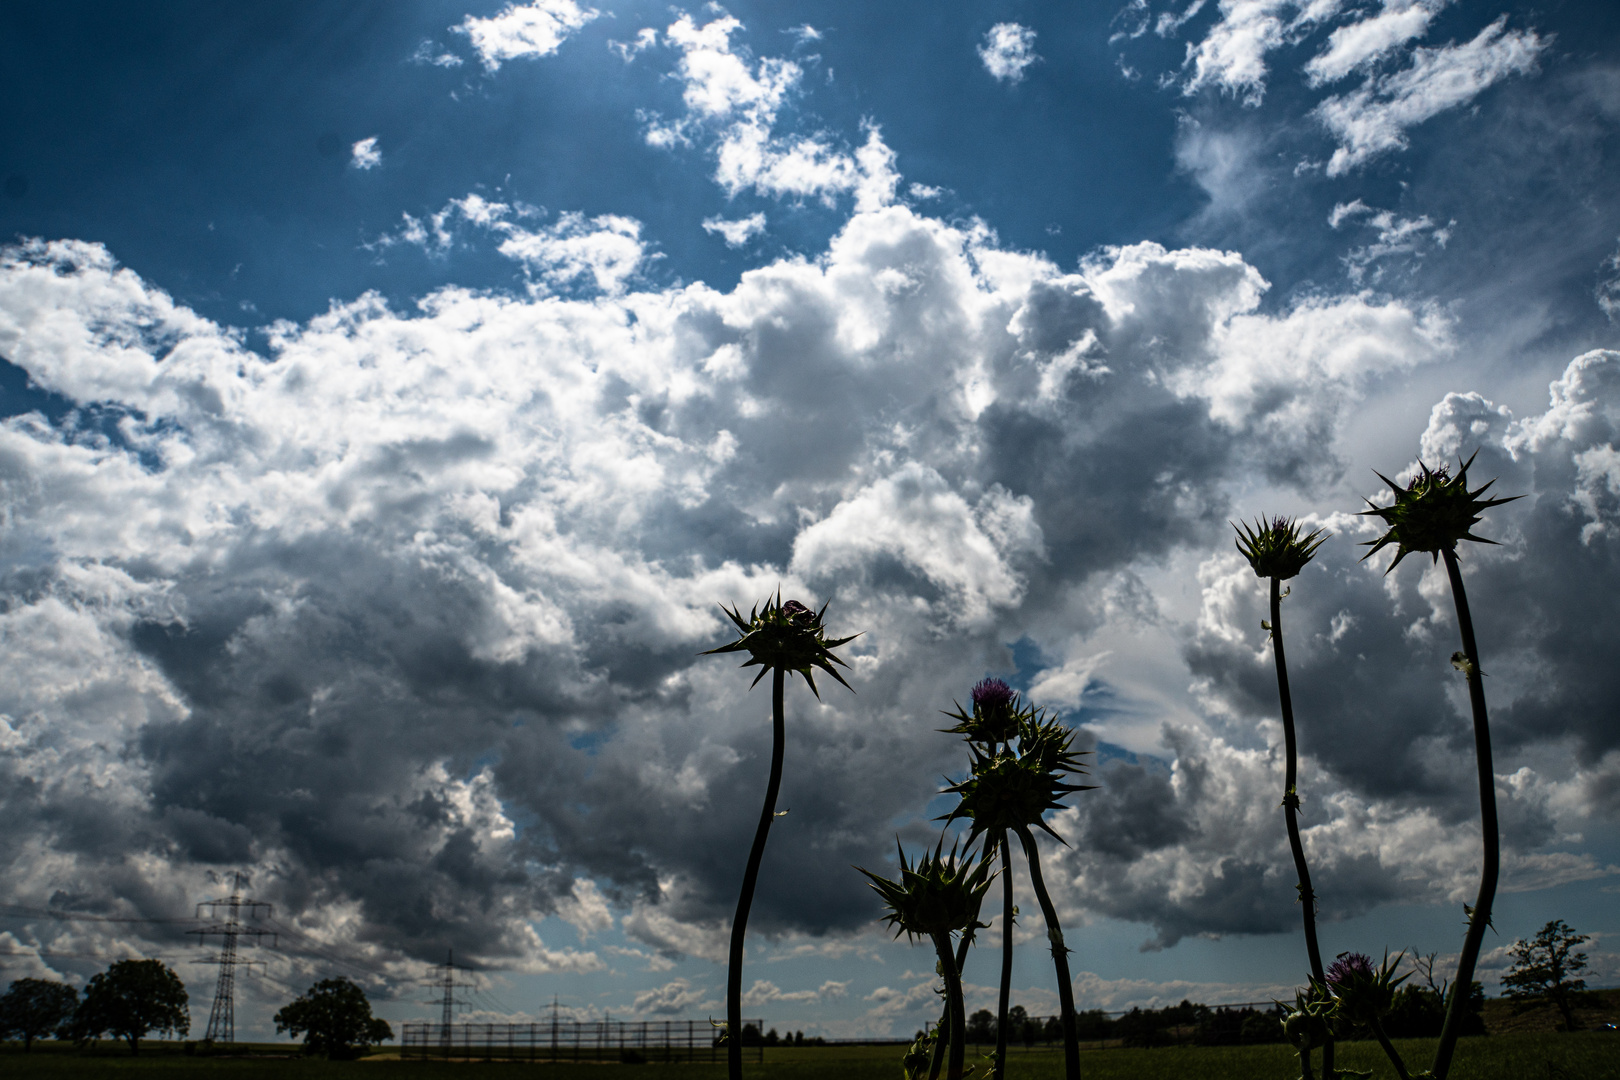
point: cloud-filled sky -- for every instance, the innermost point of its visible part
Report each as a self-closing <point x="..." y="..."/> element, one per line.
<point x="392" y="393"/>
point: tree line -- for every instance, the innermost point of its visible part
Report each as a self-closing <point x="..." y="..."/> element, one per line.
<point x="132" y="999"/>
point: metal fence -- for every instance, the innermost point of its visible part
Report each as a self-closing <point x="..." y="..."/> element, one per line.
<point x="589" y="1040"/>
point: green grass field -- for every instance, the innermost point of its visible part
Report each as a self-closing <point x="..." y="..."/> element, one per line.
<point x="1588" y="1055"/>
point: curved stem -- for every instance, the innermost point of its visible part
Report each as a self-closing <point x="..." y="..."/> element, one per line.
<point x="1060" y="957"/>
<point x="1462" y="987"/>
<point x="942" y="1038"/>
<point x="1006" y="956"/>
<point x="942" y="1035"/>
<point x="1307" y="896"/>
<point x="953" y="1006"/>
<point x="739" y="923"/>
<point x="1389" y="1050"/>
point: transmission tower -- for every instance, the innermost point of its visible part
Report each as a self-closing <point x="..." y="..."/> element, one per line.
<point x="222" y="1020"/>
<point x="444" y="981"/>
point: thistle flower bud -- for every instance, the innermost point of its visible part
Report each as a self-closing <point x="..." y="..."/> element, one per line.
<point x="787" y="636"/>
<point x="1365" y="992"/>
<point x="1349" y="968"/>
<point x="1432" y="513"/>
<point x="940" y="894"/>
<point x="995" y="716"/>
<point x="992" y="695"/>
<point x="1014" y="790"/>
<point x="1305" y="1031"/>
<point x="1277" y="550"/>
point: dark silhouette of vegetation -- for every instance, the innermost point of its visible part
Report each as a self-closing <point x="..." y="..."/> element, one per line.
<point x="937" y="897"/>
<point x="1365" y="994"/>
<point x="1543" y="969"/>
<point x="1419" y="1011"/>
<point x="1013" y="781"/>
<point x="335" y="1019"/>
<point x="34" y="1008"/>
<point x="778" y="639"/>
<point x="993" y="724"/>
<point x="1433" y="514"/>
<point x="129" y="999"/>
<point x="1277" y="552"/>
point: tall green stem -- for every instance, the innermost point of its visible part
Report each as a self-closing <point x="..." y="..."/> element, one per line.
<point x="1006" y="955"/>
<point x="739" y="923"/>
<point x="1389" y="1049"/>
<point x="942" y="1035"/>
<point x="1462" y="987"/>
<point x="1307" y="896"/>
<point x="1060" y="957"/>
<point x="943" y="1032"/>
<point x="953" y="1006"/>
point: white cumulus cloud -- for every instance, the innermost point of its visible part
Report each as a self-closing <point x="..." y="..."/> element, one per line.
<point x="735" y="232"/>
<point x="535" y="29"/>
<point x="737" y="104"/>
<point x="1007" y="50"/>
<point x="365" y="154"/>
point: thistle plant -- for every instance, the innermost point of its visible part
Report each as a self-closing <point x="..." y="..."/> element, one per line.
<point x="1366" y="994"/>
<point x="994" y="717"/>
<point x="1278" y="550"/>
<point x="918" y="1055"/>
<point x="1009" y="790"/>
<point x="938" y="896"/>
<point x="993" y="722"/>
<point x="778" y="638"/>
<point x="1433" y="514"/>
<point x="1308" y="1025"/>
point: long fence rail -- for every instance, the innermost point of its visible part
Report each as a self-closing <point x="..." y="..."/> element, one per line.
<point x="587" y="1040"/>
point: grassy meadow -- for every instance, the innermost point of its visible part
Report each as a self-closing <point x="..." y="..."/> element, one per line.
<point x="1585" y="1055"/>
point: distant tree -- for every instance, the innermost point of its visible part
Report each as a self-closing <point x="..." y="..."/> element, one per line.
<point x="1092" y="1025"/>
<point x="1142" y="1027"/>
<point x="33" y="1008"/>
<point x="1261" y="1027"/>
<point x="1418" y="1012"/>
<point x="1542" y="968"/>
<point x="130" y="999"/>
<point x="334" y="1018"/>
<point x="981" y="1027"/>
<point x="1019" y="1026"/>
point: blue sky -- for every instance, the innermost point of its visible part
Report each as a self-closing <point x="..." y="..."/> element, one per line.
<point x="392" y="391"/>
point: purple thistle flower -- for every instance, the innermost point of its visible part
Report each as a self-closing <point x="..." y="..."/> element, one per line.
<point x="797" y="612"/>
<point x="1349" y="967"/>
<point x="991" y="694"/>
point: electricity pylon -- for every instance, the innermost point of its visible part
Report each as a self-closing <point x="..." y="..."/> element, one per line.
<point x="222" y="1020"/>
<point x="444" y="981"/>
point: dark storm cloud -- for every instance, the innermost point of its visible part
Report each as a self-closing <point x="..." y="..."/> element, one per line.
<point x="408" y="616"/>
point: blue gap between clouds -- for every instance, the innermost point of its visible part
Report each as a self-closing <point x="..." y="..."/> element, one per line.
<point x="1028" y="661"/>
<point x="94" y="423"/>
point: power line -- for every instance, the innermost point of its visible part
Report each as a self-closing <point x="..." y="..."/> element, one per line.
<point x="19" y="911"/>
<point x="318" y="949"/>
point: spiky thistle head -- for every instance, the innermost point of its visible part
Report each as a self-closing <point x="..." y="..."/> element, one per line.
<point x="787" y="636"/>
<point x="996" y="712"/>
<point x="1432" y="513"/>
<point x="939" y="894"/>
<point x="1013" y="790"/>
<point x="1365" y="992"/>
<point x="1278" y="549"/>
<point x="1309" y="1023"/>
